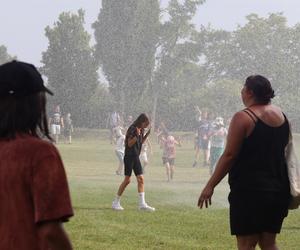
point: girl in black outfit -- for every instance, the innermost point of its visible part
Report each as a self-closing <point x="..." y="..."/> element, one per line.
<point x="254" y="157"/>
<point x="135" y="137"/>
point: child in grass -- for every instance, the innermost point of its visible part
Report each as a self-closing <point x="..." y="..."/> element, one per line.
<point x="169" y="155"/>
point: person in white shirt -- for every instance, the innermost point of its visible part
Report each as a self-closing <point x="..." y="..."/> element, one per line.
<point x="119" y="150"/>
<point x="144" y="154"/>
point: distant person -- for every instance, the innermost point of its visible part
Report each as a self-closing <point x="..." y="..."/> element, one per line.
<point x="203" y="140"/>
<point x="134" y="140"/>
<point x="119" y="150"/>
<point x="128" y="122"/>
<point x="254" y="157"/>
<point x="146" y="148"/>
<point x="34" y="194"/>
<point x="169" y="155"/>
<point x="114" y="119"/>
<point x="69" y="129"/>
<point x="56" y="122"/>
<point x="218" y="136"/>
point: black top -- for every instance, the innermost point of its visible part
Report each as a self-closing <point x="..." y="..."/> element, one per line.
<point x="261" y="164"/>
<point x="135" y="149"/>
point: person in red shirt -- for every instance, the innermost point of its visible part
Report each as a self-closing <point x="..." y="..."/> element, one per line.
<point x="34" y="193"/>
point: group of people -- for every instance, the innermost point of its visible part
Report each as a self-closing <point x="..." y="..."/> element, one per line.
<point x="34" y="193"/>
<point x="167" y="142"/>
<point x="210" y="138"/>
<point x="117" y="137"/>
<point x="254" y="158"/>
<point x="59" y="124"/>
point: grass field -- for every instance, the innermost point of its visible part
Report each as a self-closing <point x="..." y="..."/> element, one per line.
<point x="177" y="223"/>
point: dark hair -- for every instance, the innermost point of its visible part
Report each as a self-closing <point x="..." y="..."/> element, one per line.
<point x="26" y="114"/>
<point x="261" y="88"/>
<point x="141" y="119"/>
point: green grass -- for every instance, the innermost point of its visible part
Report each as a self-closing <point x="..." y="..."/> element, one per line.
<point x="177" y="222"/>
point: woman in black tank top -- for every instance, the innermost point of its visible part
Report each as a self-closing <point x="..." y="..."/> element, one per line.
<point x="254" y="157"/>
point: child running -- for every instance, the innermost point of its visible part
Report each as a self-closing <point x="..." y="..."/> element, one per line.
<point x="169" y="154"/>
<point x="119" y="150"/>
<point x="134" y="140"/>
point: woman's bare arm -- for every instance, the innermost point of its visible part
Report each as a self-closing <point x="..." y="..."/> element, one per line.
<point x="236" y="134"/>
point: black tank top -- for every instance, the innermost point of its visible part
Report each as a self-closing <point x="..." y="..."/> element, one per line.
<point x="261" y="164"/>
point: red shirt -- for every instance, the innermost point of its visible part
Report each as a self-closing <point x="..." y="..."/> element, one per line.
<point x="33" y="189"/>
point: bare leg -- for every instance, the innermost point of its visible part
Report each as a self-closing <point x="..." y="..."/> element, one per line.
<point x="267" y="241"/>
<point x="168" y="170"/>
<point x="123" y="185"/>
<point x="142" y="203"/>
<point x="196" y="157"/>
<point x="172" y="168"/>
<point x="140" y="183"/>
<point x="247" y="242"/>
<point x="205" y="157"/>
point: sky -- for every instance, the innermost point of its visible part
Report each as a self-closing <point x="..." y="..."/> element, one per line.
<point x="22" y="23"/>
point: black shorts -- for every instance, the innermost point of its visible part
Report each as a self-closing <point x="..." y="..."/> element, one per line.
<point x="171" y="161"/>
<point x="132" y="163"/>
<point x="257" y="212"/>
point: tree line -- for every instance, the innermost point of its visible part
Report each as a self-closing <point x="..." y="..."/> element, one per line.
<point x="155" y="60"/>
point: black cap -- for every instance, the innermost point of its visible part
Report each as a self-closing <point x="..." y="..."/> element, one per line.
<point x="20" y="79"/>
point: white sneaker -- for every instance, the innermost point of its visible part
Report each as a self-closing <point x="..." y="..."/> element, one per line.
<point x="146" y="207"/>
<point x="117" y="206"/>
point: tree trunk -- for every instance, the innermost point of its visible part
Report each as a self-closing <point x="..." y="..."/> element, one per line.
<point x="153" y="117"/>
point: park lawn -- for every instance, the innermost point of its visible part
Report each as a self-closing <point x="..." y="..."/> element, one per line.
<point x="176" y="224"/>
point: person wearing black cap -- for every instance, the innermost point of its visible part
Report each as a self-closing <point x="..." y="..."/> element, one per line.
<point x="34" y="193"/>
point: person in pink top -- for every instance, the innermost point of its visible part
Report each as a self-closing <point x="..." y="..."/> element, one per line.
<point x="169" y="155"/>
<point x="34" y="193"/>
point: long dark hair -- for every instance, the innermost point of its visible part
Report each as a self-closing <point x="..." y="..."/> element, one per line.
<point x="141" y="119"/>
<point x="25" y="115"/>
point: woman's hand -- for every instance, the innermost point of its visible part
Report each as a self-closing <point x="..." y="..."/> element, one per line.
<point x="205" y="197"/>
<point x="138" y="131"/>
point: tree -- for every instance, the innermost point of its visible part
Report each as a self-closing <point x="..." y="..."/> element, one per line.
<point x="4" y="56"/>
<point x="69" y="64"/>
<point x="265" y="46"/>
<point x="176" y="47"/>
<point x="126" y="35"/>
<point x="221" y="97"/>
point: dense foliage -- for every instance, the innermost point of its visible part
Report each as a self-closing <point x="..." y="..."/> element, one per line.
<point x="154" y="60"/>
